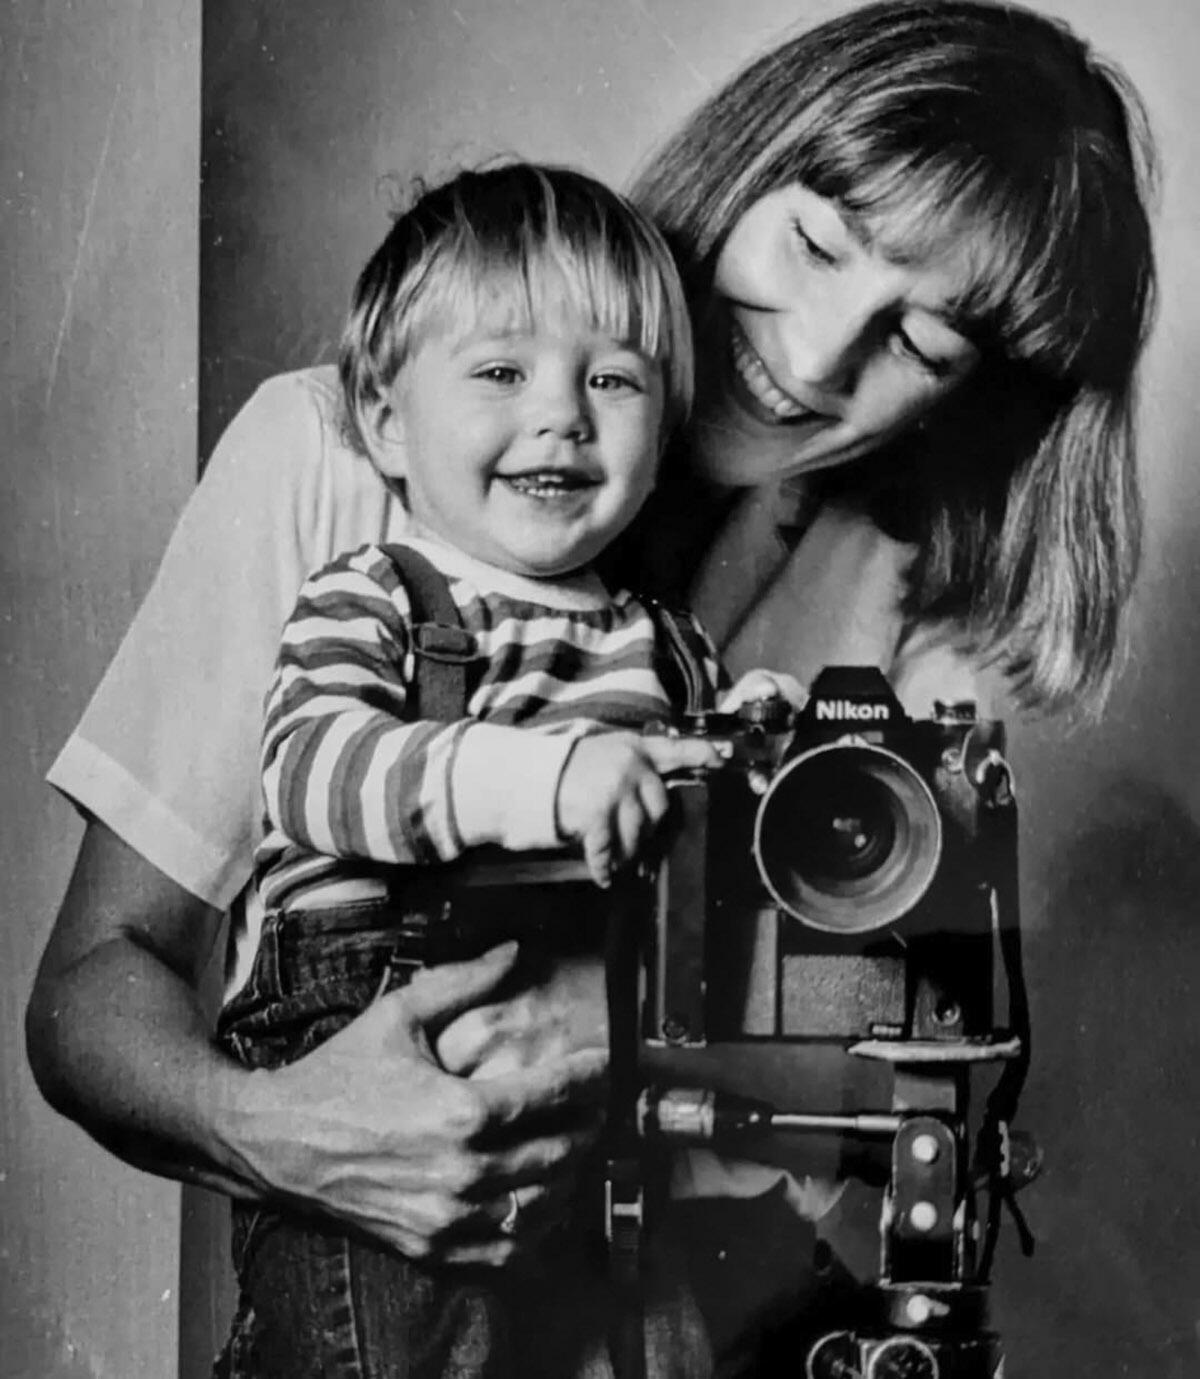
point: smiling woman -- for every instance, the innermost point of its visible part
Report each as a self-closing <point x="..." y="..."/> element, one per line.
<point x="910" y="218"/>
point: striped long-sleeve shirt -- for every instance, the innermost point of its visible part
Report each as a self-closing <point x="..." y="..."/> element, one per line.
<point x="350" y="782"/>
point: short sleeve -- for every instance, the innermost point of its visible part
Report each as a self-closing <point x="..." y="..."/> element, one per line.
<point x="166" y="752"/>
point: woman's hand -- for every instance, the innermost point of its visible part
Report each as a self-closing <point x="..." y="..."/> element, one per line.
<point x="611" y="795"/>
<point x="764" y="684"/>
<point x="368" y="1128"/>
<point x="371" y="1129"/>
<point x="560" y="1011"/>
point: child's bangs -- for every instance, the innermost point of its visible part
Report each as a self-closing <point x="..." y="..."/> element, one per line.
<point x="529" y="288"/>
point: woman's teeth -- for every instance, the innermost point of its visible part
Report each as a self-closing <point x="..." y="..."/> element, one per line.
<point x="761" y="386"/>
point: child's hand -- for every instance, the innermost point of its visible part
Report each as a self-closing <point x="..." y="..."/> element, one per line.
<point x="765" y="684"/>
<point x="611" y="794"/>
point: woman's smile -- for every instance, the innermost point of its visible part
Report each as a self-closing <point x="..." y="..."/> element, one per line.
<point x="763" y="392"/>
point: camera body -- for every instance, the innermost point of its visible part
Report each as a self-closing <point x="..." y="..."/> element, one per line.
<point x="846" y="885"/>
<point x="835" y="882"/>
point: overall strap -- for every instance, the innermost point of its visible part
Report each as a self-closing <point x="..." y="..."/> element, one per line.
<point x="443" y="649"/>
<point x="680" y="657"/>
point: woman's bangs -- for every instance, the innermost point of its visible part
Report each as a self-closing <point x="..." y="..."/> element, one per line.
<point x="1006" y="234"/>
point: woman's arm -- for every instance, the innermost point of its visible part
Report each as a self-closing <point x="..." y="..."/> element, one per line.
<point x="368" y="1128"/>
<point x="115" y="1033"/>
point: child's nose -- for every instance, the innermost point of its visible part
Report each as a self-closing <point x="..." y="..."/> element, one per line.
<point x="562" y="411"/>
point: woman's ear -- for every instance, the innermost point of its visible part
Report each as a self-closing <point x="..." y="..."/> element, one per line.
<point x="382" y="430"/>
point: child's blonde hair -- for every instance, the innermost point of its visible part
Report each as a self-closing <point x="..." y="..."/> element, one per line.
<point x="939" y="124"/>
<point x="524" y="240"/>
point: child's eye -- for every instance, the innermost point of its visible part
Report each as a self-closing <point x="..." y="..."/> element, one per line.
<point x="499" y="373"/>
<point x="615" y="380"/>
<point x="810" y="246"/>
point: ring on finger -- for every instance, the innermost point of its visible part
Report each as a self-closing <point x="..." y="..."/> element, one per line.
<point x="508" y="1226"/>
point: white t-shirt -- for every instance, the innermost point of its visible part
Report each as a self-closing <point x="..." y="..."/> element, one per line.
<point x="166" y="752"/>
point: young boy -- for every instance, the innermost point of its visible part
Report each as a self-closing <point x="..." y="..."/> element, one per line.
<point x="518" y="351"/>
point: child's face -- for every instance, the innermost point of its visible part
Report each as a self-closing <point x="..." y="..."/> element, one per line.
<point x="529" y="446"/>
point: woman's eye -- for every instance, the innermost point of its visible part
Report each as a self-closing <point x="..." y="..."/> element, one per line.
<point x="908" y="347"/>
<point x="810" y="246"/>
<point x="936" y="365"/>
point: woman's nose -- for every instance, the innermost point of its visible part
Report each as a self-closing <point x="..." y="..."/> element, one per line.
<point x="828" y="334"/>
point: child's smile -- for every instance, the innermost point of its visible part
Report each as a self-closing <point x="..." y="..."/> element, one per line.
<point x="551" y="485"/>
<point x="530" y="447"/>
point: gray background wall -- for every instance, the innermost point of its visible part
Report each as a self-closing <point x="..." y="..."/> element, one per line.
<point x="99" y="150"/>
<point x="306" y="108"/>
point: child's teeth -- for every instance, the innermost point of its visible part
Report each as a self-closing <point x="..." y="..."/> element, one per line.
<point x="543" y="484"/>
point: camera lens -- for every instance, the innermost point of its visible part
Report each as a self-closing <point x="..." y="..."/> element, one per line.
<point x="903" y="1357"/>
<point x="848" y="827"/>
<point x="848" y="837"/>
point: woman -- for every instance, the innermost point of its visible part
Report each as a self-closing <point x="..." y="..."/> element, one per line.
<point x="916" y="246"/>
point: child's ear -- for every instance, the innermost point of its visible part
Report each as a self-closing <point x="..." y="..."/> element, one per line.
<point x="382" y="429"/>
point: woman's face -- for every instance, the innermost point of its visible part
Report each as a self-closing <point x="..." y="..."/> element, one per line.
<point x="816" y="346"/>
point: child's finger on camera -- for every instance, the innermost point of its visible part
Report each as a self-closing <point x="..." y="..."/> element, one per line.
<point x="653" y="795"/>
<point x="632" y="825"/>
<point x="667" y="754"/>
<point x="598" y="854"/>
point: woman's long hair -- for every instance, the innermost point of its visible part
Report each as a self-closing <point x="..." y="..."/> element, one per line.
<point x="943" y="123"/>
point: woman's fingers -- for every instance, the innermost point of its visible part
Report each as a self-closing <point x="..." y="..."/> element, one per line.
<point x="368" y="1128"/>
<point x="765" y="684"/>
<point x="527" y="1213"/>
<point x="459" y="1219"/>
<point x="437" y="995"/>
<point x="516" y="1102"/>
<point x="537" y="1025"/>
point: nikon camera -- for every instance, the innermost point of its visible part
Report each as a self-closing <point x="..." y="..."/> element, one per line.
<point x="836" y="882"/>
